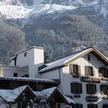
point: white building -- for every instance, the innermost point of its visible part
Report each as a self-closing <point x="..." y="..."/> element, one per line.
<point x="29" y="59"/>
<point x="82" y="75"/>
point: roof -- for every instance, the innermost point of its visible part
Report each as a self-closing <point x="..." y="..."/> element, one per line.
<point x="28" y="48"/>
<point x="36" y="80"/>
<point x="50" y="91"/>
<point x="11" y="95"/>
<point x="64" y="61"/>
<point x="47" y="92"/>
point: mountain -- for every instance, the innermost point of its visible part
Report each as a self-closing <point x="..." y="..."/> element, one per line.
<point x="60" y="26"/>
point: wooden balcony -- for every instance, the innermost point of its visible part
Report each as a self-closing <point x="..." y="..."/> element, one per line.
<point x="90" y="79"/>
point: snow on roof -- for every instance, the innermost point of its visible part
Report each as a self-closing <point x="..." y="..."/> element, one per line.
<point x="63" y="61"/>
<point x="70" y="101"/>
<point x="36" y="80"/>
<point x="11" y="95"/>
<point x="48" y="92"/>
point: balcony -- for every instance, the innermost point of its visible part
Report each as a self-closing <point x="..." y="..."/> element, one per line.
<point x="90" y="79"/>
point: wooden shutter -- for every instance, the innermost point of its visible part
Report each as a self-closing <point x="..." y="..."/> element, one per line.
<point x="71" y="68"/>
<point x="79" y="70"/>
<point x="86" y="70"/>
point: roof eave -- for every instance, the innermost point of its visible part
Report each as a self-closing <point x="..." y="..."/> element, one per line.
<point x="54" y="68"/>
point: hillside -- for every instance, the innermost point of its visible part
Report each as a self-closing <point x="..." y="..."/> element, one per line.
<point x="60" y="26"/>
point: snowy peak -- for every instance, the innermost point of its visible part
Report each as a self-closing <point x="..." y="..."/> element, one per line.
<point x="16" y="12"/>
<point x="16" y="9"/>
<point x="35" y="2"/>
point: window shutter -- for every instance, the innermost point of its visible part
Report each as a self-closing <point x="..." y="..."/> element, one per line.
<point x="79" y="70"/>
<point x="86" y="70"/>
<point x="71" y="68"/>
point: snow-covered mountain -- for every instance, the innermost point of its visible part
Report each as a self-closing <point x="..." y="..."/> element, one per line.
<point x="58" y="24"/>
<point x="24" y="8"/>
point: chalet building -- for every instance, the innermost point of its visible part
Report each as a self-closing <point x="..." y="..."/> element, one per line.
<point x="81" y="77"/>
<point x="25" y="97"/>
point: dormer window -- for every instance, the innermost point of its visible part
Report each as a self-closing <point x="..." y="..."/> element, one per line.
<point x="25" y="54"/>
<point x="74" y="69"/>
<point x="89" y="71"/>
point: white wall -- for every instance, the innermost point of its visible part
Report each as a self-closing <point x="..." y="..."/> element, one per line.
<point x="33" y="59"/>
<point x="67" y="78"/>
<point x="54" y="74"/>
<point x="8" y="71"/>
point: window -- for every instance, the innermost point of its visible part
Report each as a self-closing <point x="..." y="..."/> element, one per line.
<point x="15" y="75"/>
<point x="76" y="88"/>
<point x="104" y="89"/>
<point x="89" y="70"/>
<point x="105" y="106"/>
<point x="103" y="72"/>
<point x="77" y="106"/>
<point x="25" y="54"/>
<point x="91" y="88"/>
<point x="92" y="106"/>
<point x="89" y="57"/>
<point x="74" y="69"/>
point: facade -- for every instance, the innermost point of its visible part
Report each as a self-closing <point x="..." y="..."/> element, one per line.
<point x="82" y="76"/>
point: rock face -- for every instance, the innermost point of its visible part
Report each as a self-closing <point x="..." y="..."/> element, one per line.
<point x="61" y="26"/>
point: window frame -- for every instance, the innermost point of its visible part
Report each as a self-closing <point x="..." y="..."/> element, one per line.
<point x="76" y="88"/>
<point x="103" y="72"/>
<point x="74" y="69"/>
<point x="104" y="89"/>
<point x="15" y="75"/>
<point x="91" y="106"/>
<point x="88" y="71"/>
<point x="77" y="105"/>
<point x="91" y="88"/>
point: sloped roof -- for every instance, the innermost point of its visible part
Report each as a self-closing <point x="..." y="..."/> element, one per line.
<point x="63" y="61"/>
<point x="48" y="93"/>
<point x="11" y="95"/>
